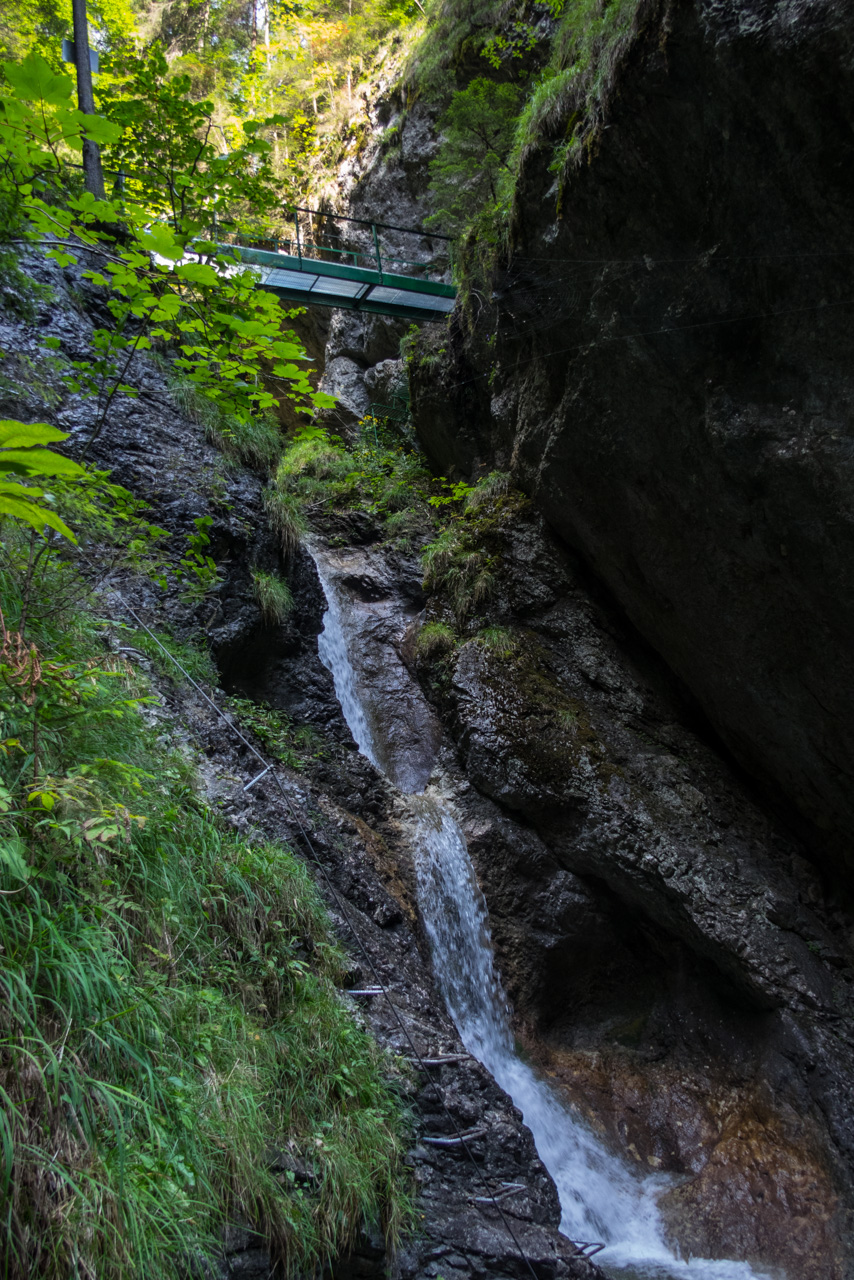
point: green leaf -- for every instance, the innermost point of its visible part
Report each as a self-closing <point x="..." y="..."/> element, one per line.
<point x="21" y="504"/>
<point x="43" y="462"/>
<point x="7" y="800"/>
<point x="287" y="351"/>
<point x="11" y="857"/>
<point x="99" y="129"/>
<point x="162" y="240"/>
<point x="34" y="81"/>
<point x="198" y="273"/>
<point x="22" y="435"/>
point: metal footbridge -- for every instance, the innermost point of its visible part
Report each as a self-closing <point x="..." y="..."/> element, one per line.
<point x="321" y="269"/>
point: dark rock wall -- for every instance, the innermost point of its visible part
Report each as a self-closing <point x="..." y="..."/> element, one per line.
<point x="666" y="363"/>
<point x="674" y="961"/>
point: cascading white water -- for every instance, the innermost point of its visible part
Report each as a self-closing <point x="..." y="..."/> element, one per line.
<point x="332" y="648"/>
<point x="602" y="1198"/>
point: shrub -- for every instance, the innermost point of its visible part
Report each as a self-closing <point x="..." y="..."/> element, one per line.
<point x="470" y="169"/>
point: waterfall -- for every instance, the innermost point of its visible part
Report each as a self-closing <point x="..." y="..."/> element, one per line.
<point x="602" y="1198"/>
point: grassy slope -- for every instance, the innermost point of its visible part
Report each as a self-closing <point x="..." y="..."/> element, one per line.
<point x="168" y="1012"/>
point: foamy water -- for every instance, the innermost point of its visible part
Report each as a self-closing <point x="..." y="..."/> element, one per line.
<point x="602" y="1197"/>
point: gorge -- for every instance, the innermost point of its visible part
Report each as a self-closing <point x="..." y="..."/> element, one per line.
<point x="552" y="671"/>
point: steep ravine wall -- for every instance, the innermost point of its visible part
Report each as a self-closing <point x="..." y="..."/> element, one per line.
<point x="665" y="362"/>
<point x="654" y="911"/>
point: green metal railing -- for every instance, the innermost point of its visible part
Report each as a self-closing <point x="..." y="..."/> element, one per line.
<point x="322" y="247"/>
<point x="397" y="414"/>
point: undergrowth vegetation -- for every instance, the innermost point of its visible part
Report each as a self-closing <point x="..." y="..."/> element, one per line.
<point x="464" y="560"/>
<point x="253" y="440"/>
<point x="377" y="475"/>
<point x="293" y="744"/>
<point x="453" y="525"/>
<point x="511" y="78"/>
<point x="174" y="1055"/>
<point x="564" y="107"/>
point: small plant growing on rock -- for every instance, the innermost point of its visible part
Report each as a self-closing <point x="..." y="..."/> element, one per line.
<point x="435" y="640"/>
<point x="438" y="556"/>
<point x="315" y="457"/>
<point x="195" y="659"/>
<point x="488" y="489"/>
<point x="199" y="569"/>
<point x="275" y="729"/>
<point x="273" y="596"/>
<point x="284" y="511"/>
<point x="464" y="571"/>
<point x="500" y="640"/>
<point x="254" y="441"/>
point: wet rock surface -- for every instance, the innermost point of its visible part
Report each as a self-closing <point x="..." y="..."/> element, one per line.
<point x="344" y="818"/>
<point x="677" y="967"/>
<point x="676" y="964"/>
<point x="665" y="363"/>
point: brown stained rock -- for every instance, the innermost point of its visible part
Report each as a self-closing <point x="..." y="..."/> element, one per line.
<point x="751" y="1179"/>
<point x="655" y="930"/>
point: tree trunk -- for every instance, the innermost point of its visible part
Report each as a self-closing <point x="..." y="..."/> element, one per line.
<point x="93" y="174"/>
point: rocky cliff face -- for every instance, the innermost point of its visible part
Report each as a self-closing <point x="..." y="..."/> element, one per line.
<point x="673" y="959"/>
<point x="665" y="363"/>
<point x="664" y="368"/>
<point x="337" y="812"/>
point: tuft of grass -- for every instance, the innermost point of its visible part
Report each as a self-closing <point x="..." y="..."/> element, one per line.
<point x="500" y="640"/>
<point x="566" y="105"/>
<point x="435" y="640"/>
<point x="317" y="458"/>
<point x="456" y="35"/>
<point x="284" y="511"/>
<point x="254" y="441"/>
<point x="439" y="555"/>
<point x="382" y="477"/>
<point x="273" y="595"/>
<point x="455" y="563"/>
<point x="488" y="489"/>
<point x="403" y="528"/>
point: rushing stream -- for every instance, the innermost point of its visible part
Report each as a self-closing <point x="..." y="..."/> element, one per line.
<point x="602" y="1198"/>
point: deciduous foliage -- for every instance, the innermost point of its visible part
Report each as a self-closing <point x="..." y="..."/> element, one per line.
<point x="24" y="458"/>
<point x="173" y="1052"/>
<point x="167" y="278"/>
